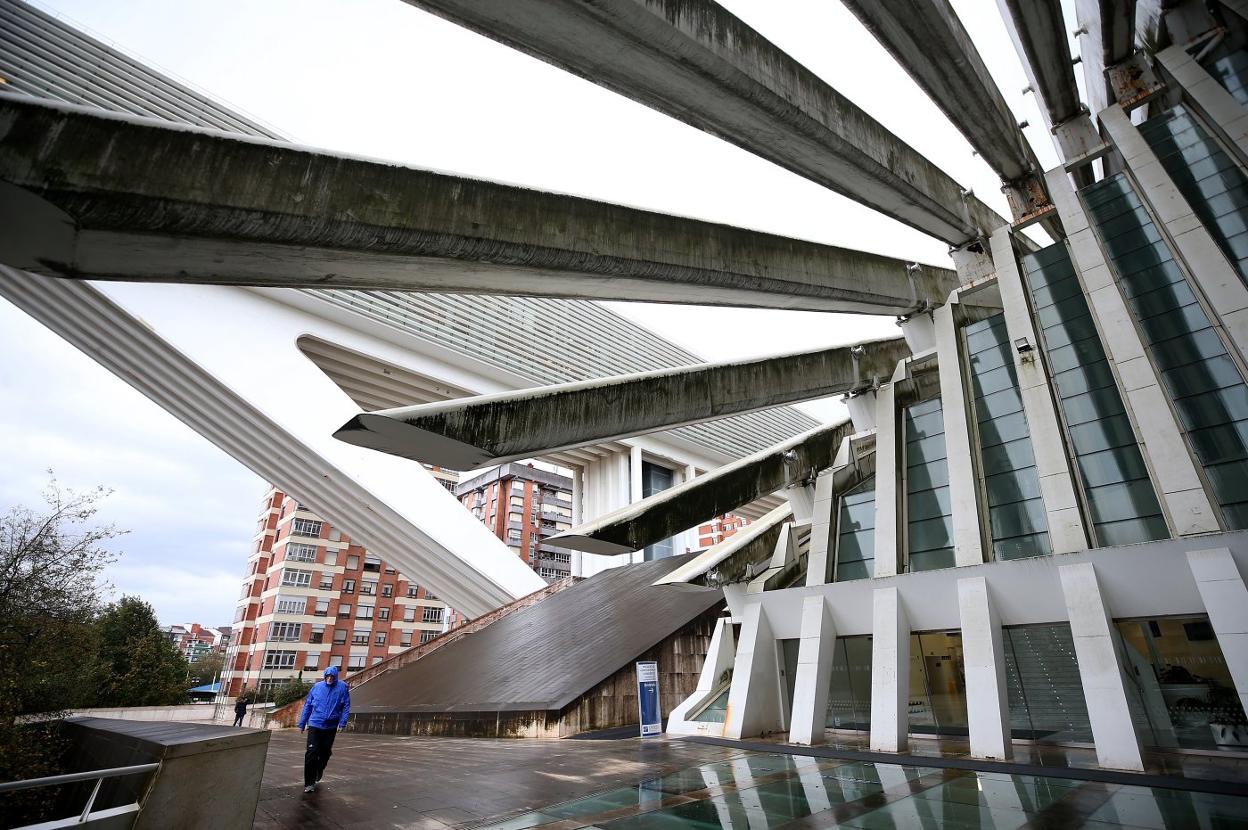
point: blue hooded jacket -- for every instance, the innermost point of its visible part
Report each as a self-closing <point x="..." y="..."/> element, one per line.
<point x="326" y="707"/>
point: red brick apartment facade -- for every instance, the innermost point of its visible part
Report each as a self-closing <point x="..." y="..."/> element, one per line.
<point x="523" y="506"/>
<point x="719" y="529"/>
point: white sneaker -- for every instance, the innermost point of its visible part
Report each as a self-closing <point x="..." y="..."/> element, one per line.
<point x="311" y="788"/>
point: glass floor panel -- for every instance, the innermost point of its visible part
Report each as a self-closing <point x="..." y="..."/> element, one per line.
<point x="762" y="790"/>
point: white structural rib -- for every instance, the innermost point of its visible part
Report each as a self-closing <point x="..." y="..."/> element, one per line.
<point x="202" y="354"/>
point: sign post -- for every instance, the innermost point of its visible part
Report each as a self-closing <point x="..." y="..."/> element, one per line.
<point x="648" y="698"/>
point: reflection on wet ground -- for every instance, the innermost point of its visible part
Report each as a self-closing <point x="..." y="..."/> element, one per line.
<point x="758" y="790"/>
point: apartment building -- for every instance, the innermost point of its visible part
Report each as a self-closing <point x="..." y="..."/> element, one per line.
<point x="193" y="640"/>
<point x="719" y="528"/>
<point x="523" y="506"/>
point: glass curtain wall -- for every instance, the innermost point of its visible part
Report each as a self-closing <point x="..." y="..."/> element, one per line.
<point x="929" y="520"/>
<point x="855" y="534"/>
<point x="937" y="683"/>
<point x="1017" y="523"/>
<point x="849" y="697"/>
<point x="1202" y="379"/>
<point x="655" y="479"/>
<point x="1115" y="479"/>
<point x="1232" y="72"/>
<point x="1208" y="178"/>
<point x="1183" y="692"/>
<point x="1043" y="686"/>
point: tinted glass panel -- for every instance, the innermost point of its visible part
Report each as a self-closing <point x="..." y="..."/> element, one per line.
<point x="1043" y="686"/>
<point x="855" y="534"/>
<point x="929" y="521"/>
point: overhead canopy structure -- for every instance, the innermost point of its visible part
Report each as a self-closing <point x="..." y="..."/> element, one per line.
<point x="467" y="433"/>
<point x="1039" y="34"/>
<point x="91" y="194"/>
<point x="695" y="61"/>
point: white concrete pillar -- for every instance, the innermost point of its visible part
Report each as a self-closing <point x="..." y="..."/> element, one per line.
<point x="1212" y="272"/>
<point x="918" y="331"/>
<point x="968" y="536"/>
<point x="987" y="706"/>
<point x="634" y="475"/>
<point x="754" y="697"/>
<point x="822" y="528"/>
<point x="1100" y="669"/>
<point x="814" y="672"/>
<point x="887" y="481"/>
<point x="1226" y="600"/>
<point x="1174" y="472"/>
<point x="1067" y="532"/>
<point x="719" y="659"/>
<point x="1215" y="105"/>
<point x="890" y="672"/>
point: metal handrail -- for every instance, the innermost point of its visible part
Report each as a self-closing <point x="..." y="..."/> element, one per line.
<point x="97" y="776"/>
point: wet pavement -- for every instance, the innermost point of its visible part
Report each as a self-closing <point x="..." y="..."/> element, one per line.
<point x="382" y="781"/>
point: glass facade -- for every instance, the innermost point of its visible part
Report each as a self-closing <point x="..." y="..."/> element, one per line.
<point x="1209" y="180"/>
<point x="1016" y="519"/>
<point x="855" y="534"/>
<point x="1182" y="694"/>
<point x="1042" y="685"/>
<point x="1115" y="479"/>
<point x="929" y="521"/>
<point x="937" y="683"/>
<point x="849" y="699"/>
<point x="1203" y="381"/>
<point x="656" y="479"/>
<point x="1232" y="72"/>
<point x="714" y="711"/>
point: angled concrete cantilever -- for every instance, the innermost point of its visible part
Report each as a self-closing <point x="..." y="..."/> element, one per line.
<point x="107" y="196"/>
<point x="697" y="62"/>
<point x="719" y="491"/>
<point x="468" y="433"/>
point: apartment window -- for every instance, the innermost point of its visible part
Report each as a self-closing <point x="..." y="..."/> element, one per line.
<point x="331" y="557"/>
<point x="291" y="605"/>
<point x="513" y="535"/>
<point x="387" y="590"/>
<point x="551" y="573"/>
<point x="426" y="636"/>
<point x="372" y="563"/>
<point x="517" y="501"/>
<point x="929" y="518"/>
<point x="379" y="639"/>
<point x="322" y="608"/>
<point x="348" y="586"/>
<point x="340" y="636"/>
<point x="517" y="486"/>
<point x="364" y="612"/>
<point x="280" y="659"/>
<point x="515" y="518"/>
<point x="383" y="613"/>
<point x="429" y="595"/>
<point x="409" y="614"/>
<point x="855" y="538"/>
<point x="312" y="661"/>
<point x="353" y="562"/>
<point x="356" y="661"/>
<point x="405" y="638"/>
<point x="317" y="634"/>
<point x="411" y="591"/>
<point x="298" y="552"/>
<point x="344" y="610"/>
<point x="359" y="637"/>
<point x="1017" y="524"/>
<point x="368" y="589"/>
<point x="431" y="615"/>
<point x="286" y="632"/>
<point x="305" y="527"/>
<point x="327" y="582"/>
<point x="294" y="578"/>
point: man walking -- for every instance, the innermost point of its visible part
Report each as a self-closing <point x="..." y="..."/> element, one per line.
<point x="240" y="710"/>
<point x="324" y="710"/>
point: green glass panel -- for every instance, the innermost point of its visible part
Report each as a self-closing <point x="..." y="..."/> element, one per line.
<point x="855" y="544"/>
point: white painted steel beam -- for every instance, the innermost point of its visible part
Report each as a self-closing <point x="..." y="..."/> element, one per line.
<point x="85" y="193"/>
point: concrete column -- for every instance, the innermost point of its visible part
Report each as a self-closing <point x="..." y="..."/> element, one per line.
<point x="1217" y="106"/>
<point x="1067" y="531"/>
<point x="887" y="480"/>
<point x="968" y="536"/>
<point x="1100" y="672"/>
<point x="1226" y="600"/>
<point x="634" y="475"/>
<point x="1174" y="472"/>
<point x="578" y="493"/>
<point x="754" y="697"/>
<point x="814" y="673"/>
<point x="890" y="672"/>
<point x="1212" y="272"/>
<point x="822" y="528"/>
<point x="987" y="707"/>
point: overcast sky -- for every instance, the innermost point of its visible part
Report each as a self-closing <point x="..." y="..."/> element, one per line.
<point x="380" y="78"/>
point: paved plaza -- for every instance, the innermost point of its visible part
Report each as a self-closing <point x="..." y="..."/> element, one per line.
<point x="432" y="783"/>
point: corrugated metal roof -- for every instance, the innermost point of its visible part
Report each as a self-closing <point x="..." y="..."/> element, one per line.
<point x="543" y="657"/>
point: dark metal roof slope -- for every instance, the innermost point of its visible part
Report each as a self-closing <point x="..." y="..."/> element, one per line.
<point x="544" y="657"/>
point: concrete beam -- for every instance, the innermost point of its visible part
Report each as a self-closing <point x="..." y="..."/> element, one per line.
<point x="719" y="491"/>
<point x="475" y="432"/>
<point x="105" y="196"/>
<point x="1108" y="39"/>
<point x="694" y="61"/>
<point x="930" y="42"/>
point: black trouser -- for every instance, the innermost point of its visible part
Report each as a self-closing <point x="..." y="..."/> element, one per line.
<point x="320" y="747"/>
<point x="238" y="718"/>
